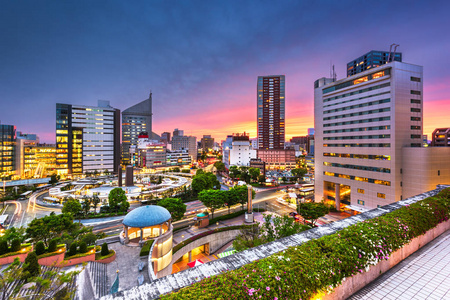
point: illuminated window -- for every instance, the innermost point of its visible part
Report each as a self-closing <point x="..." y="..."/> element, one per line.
<point x="378" y="75"/>
<point x="360" y="202"/>
<point x="381" y="195"/>
<point x="359" y="80"/>
<point x="361" y="191"/>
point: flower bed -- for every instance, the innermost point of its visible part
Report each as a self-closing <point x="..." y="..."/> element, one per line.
<point x="320" y="265"/>
<point x="200" y="235"/>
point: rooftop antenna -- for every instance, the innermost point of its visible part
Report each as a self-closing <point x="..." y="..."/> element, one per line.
<point x="150" y="97"/>
<point x="334" y="75"/>
<point x="392" y="51"/>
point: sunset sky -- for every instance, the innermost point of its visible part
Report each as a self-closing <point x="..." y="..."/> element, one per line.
<point x="201" y="59"/>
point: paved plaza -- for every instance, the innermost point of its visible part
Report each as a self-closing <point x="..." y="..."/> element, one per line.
<point x="423" y="275"/>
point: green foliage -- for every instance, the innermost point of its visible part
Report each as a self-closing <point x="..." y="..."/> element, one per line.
<point x="234" y="172"/>
<point x="31" y="267"/>
<point x="227" y="216"/>
<point x="15" y="245"/>
<point x="313" y="210"/>
<point x="212" y="199"/>
<point x="54" y="179"/>
<point x="71" y="206"/>
<point x="298" y="172"/>
<point x="14" y="233"/>
<point x="254" y="173"/>
<point x="52" y="245"/>
<point x="3" y="247"/>
<point x="73" y="249"/>
<point x="261" y="179"/>
<point x="8" y="278"/>
<point x="240" y="194"/>
<point x="39" y="248"/>
<point x="320" y="265"/>
<point x="83" y="247"/>
<point x="98" y="256"/>
<point x="95" y="201"/>
<point x="89" y="238"/>
<point x="105" y="249"/>
<point x="220" y="166"/>
<point x="85" y="204"/>
<point x="204" y="181"/>
<point x="175" y="206"/>
<point x="115" y="197"/>
<point x="145" y="250"/>
<point x="187" y="171"/>
<point x="49" y="227"/>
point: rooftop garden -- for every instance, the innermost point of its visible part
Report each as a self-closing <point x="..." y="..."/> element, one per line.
<point x="318" y="266"/>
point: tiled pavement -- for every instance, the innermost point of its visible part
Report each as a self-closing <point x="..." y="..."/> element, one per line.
<point x="423" y="275"/>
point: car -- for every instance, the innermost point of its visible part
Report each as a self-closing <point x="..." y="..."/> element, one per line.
<point x="293" y="214"/>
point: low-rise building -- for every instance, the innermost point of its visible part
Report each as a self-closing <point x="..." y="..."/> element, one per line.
<point x="278" y="158"/>
<point x="178" y="158"/>
<point x="441" y="137"/>
<point x="240" y="152"/>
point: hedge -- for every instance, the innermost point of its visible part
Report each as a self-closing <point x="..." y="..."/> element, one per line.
<point x="145" y="250"/>
<point x="26" y="246"/>
<point x="62" y="246"/>
<point x="200" y="235"/>
<point x="98" y="256"/>
<point x="318" y="266"/>
<point x="233" y="215"/>
<point x="81" y="254"/>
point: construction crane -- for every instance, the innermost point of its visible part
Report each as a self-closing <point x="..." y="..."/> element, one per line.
<point x="392" y="52"/>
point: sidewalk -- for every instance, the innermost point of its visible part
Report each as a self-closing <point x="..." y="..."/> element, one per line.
<point x="423" y="275"/>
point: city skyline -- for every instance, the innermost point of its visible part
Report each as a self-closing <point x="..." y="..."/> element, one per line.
<point x="81" y="52"/>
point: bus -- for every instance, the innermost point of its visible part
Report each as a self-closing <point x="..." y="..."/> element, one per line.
<point x="3" y="220"/>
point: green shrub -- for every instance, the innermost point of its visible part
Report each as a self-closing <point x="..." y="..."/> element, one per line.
<point x="89" y="238"/>
<point x="52" y="245"/>
<point x="83" y="247"/>
<point x="227" y="217"/>
<point x="105" y="250"/>
<point x="39" y="248"/>
<point x="31" y="267"/>
<point x="320" y="265"/>
<point x="3" y="247"/>
<point x="15" y="245"/>
<point x="73" y="249"/>
<point x="145" y="250"/>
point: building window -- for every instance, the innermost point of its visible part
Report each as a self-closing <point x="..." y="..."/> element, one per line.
<point x="416" y="79"/>
<point x="415" y="136"/>
<point x="439" y="172"/>
<point x="361" y="191"/>
<point x="415" y="109"/>
<point x="415" y="127"/>
<point x="415" y="119"/>
<point x="413" y="92"/>
<point x="378" y="206"/>
<point x="381" y="195"/>
<point x="415" y="101"/>
<point x="360" y="202"/>
<point x="416" y="145"/>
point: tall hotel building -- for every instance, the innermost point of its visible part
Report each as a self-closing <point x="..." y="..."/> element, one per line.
<point x="8" y="139"/>
<point x="271" y="103"/>
<point x="87" y="138"/>
<point x="362" y="123"/>
<point x="135" y="119"/>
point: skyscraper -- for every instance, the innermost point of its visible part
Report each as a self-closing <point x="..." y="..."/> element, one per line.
<point x="362" y="123"/>
<point x="135" y="119"/>
<point x="87" y="138"/>
<point x="271" y="112"/>
<point x="7" y="151"/>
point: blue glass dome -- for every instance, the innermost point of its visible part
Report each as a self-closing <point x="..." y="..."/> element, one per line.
<point x="146" y="216"/>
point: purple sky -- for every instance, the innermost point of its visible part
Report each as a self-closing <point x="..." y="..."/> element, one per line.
<point x="201" y="59"/>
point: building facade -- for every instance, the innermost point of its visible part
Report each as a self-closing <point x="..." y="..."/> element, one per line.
<point x="165" y="137"/>
<point x="7" y="151"/>
<point x="280" y="159"/>
<point x="148" y="153"/>
<point x="362" y="123"/>
<point x="441" y="137"/>
<point x="180" y="142"/>
<point x="87" y="138"/>
<point x="178" y="158"/>
<point x="271" y="111"/>
<point x="135" y="119"/>
<point x="371" y="60"/>
<point x="207" y="142"/>
<point x="39" y="160"/>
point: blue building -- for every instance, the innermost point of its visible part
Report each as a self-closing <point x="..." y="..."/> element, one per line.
<point x="370" y="60"/>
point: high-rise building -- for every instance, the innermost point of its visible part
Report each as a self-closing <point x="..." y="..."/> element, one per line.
<point x="180" y="142"/>
<point x="7" y="151"/>
<point x="24" y="158"/>
<point x="441" y="137"/>
<point x="362" y="123"/>
<point x="135" y="119"/>
<point x="165" y="137"/>
<point x="87" y="138"/>
<point x="39" y="160"/>
<point x="371" y="60"/>
<point x="148" y="153"/>
<point x="207" y="142"/>
<point x="271" y="112"/>
<point x="177" y="132"/>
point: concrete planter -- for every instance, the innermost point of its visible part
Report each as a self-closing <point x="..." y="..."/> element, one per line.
<point x="10" y="259"/>
<point x="54" y="260"/>
<point x="108" y="259"/>
<point x="353" y="284"/>
<point x="76" y="260"/>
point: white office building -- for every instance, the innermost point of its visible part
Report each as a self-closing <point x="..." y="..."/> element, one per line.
<point x="240" y="152"/>
<point x="362" y="123"/>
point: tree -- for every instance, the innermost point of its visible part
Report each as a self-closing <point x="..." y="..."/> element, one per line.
<point x="52" y="245"/>
<point x="240" y="194"/>
<point x="54" y="179"/>
<point x="298" y="172"/>
<point x="73" y="249"/>
<point x="95" y="200"/>
<point x="15" y="245"/>
<point x="199" y="171"/>
<point x="212" y="199"/>
<point x="284" y="179"/>
<point x="261" y="179"/>
<point x="83" y="247"/>
<point x="3" y="247"/>
<point x="105" y="250"/>
<point x="115" y="197"/>
<point x="234" y="172"/>
<point x="276" y="227"/>
<point x="124" y="205"/>
<point x="40" y="248"/>
<point x="71" y="206"/>
<point x="175" y="206"/>
<point x="204" y="181"/>
<point x="248" y="238"/>
<point x="56" y="285"/>
<point x="31" y="266"/>
<point x="49" y="227"/>
<point x="220" y="166"/>
<point x="254" y="173"/>
<point x="89" y="238"/>
<point x="312" y="211"/>
<point x="86" y="204"/>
